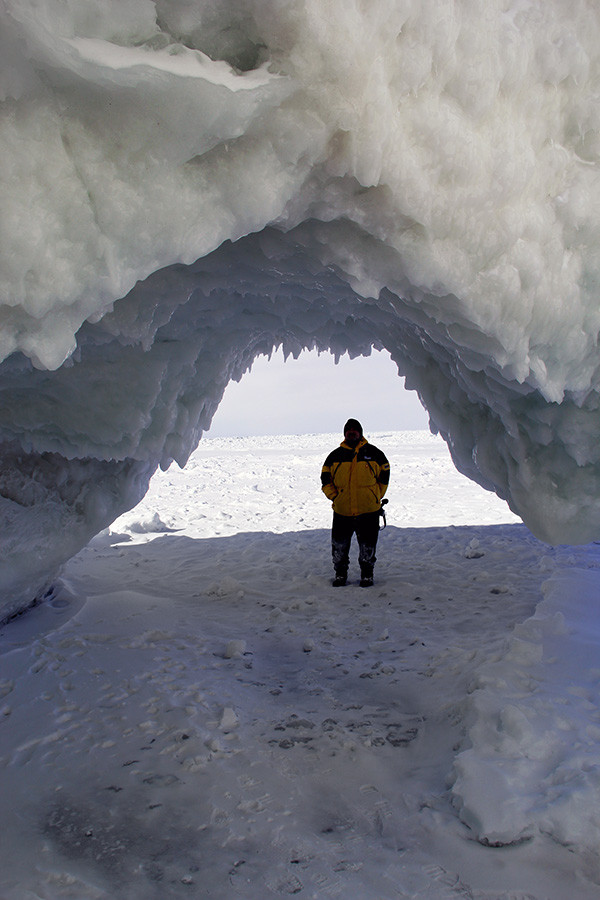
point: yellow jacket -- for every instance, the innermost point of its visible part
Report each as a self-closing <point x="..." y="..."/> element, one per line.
<point x="355" y="478"/>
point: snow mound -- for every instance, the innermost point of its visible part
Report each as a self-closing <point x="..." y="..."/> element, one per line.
<point x="534" y="762"/>
<point x="152" y="525"/>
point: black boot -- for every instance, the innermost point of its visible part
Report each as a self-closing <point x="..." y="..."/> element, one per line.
<point x="340" y="579"/>
<point x="366" y="578"/>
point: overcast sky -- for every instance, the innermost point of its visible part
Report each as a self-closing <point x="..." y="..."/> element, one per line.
<point x="313" y="395"/>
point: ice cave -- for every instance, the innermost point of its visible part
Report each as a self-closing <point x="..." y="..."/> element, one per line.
<point x="189" y="183"/>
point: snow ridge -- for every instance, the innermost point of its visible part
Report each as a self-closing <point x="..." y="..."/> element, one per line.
<point x="534" y="762"/>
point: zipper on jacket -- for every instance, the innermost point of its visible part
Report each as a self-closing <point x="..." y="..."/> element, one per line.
<point x="353" y="499"/>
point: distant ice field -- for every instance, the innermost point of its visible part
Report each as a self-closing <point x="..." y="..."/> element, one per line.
<point x="272" y="483"/>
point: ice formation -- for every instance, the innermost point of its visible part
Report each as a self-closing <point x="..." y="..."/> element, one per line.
<point x="187" y="183"/>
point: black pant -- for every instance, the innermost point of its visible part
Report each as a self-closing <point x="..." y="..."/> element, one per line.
<point x="366" y="529"/>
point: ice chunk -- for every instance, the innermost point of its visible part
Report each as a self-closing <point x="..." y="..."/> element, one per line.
<point x="235" y="649"/>
<point x="229" y="720"/>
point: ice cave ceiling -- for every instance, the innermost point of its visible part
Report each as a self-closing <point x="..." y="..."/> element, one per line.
<point x="189" y="183"/>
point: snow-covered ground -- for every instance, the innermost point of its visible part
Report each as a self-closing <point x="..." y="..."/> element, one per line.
<point x="196" y="712"/>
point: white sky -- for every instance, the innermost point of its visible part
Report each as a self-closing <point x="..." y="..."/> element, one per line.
<point x="313" y="395"/>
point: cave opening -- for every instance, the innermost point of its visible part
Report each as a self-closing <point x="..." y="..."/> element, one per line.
<point x="314" y="394"/>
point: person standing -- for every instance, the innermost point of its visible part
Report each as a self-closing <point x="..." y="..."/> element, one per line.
<point x="355" y="477"/>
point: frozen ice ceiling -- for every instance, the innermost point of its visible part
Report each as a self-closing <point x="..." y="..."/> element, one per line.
<point x="186" y="184"/>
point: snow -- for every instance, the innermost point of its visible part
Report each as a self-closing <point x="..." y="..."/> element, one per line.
<point x="194" y="710"/>
<point x="187" y="185"/>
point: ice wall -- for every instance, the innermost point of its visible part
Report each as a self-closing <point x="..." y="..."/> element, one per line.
<point x="186" y="184"/>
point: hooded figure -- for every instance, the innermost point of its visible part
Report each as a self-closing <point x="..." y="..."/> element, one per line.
<point x="352" y="426"/>
<point x="355" y="477"/>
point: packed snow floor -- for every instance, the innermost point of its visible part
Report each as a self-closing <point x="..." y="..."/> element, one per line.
<point x="196" y="712"/>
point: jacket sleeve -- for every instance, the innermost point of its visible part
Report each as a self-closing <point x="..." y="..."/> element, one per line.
<point x="383" y="476"/>
<point x="327" y="485"/>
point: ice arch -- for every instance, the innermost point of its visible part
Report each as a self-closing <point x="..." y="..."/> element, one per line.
<point x="187" y="183"/>
<point x="82" y="442"/>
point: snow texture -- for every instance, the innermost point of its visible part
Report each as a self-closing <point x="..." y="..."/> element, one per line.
<point x="188" y="184"/>
<point x="198" y="713"/>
